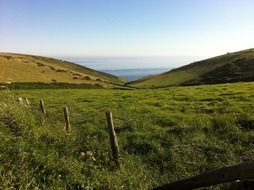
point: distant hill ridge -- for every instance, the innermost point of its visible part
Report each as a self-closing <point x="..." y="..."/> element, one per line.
<point x="20" y="68"/>
<point x="231" y="67"/>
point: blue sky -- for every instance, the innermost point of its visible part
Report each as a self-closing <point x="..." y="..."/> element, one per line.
<point x="126" y="27"/>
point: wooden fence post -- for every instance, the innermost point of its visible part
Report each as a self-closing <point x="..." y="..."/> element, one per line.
<point x="42" y="106"/>
<point x="27" y="102"/>
<point x="113" y="138"/>
<point x="20" y="100"/>
<point x="67" y="120"/>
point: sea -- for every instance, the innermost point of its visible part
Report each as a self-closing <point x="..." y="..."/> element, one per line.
<point x="132" y="68"/>
<point x="135" y="74"/>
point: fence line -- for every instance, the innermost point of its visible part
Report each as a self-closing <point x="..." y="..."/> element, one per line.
<point x="243" y="171"/>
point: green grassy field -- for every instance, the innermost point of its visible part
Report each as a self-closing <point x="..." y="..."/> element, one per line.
<point x="164" y="135"/>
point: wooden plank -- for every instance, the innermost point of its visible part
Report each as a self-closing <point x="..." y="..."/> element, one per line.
<point x="244" y="171"/>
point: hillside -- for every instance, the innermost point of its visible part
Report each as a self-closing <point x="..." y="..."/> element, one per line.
<point x="231" y="67"/>
<point x="28" y="68"/>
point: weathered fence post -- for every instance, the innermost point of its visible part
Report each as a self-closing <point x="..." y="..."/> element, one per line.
<point x="113" y="138"/>
<point x="27" y="102"/>
<point x="42" y="106"/>
<point x="20" y="100"/>
<point x="67" y="120"/>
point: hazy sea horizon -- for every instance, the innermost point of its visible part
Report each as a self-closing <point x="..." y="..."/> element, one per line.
<point x="134" y="74"/>
<point x="133" y="68"/>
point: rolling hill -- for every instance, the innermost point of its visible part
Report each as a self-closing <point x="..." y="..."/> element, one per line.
<point x="20" y="68"/>
<point x="231" y="67"/>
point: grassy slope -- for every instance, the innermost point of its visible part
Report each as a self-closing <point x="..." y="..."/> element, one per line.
<point x="28" y="68"/>
<point x="164" y="135"/>
<point x="232" y="67"/>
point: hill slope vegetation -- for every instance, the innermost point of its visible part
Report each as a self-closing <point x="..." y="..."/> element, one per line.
<point x="27" y="68"/>
<point x="231" y="67"/>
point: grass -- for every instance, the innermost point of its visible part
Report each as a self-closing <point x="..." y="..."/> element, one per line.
<point x="33" y="69"/>
<point x="231" y="67"/>
<point x="164" y="135"/>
